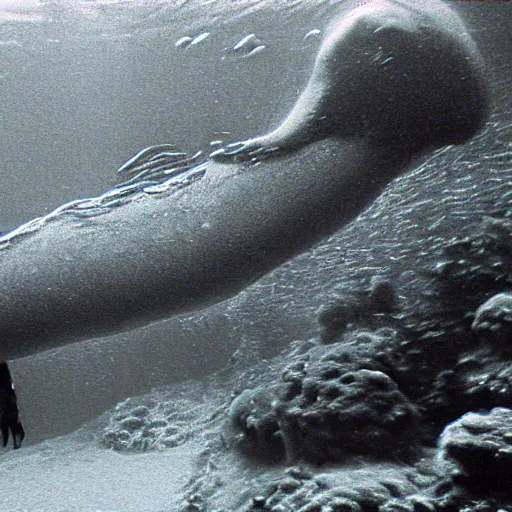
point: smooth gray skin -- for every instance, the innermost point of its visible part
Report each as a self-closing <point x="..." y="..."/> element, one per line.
<point x="360" y="122"/>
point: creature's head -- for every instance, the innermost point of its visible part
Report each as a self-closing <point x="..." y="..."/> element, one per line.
<point x="401" y="76"/>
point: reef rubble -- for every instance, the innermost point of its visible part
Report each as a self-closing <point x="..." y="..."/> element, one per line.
<point x="390" y="408"/>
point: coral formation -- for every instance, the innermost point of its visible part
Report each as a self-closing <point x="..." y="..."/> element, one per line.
<point x="467" y="271"/>
<point x="481" y="261"/>
<point x="480" y="444"/>
<point x="364" y="309"/>
<point x="335" y="414"/>
<point x="141" y="428"/>
<point x="301" y="491"/>
<point x="393" y="375"/>
<point x="253" y="423"/>
<point x="493" y="321"/>
<point x="480" y="379"/>
<point x="332" y="402"/>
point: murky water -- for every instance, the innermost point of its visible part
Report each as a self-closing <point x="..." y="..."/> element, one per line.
<point x="85" y="85"/>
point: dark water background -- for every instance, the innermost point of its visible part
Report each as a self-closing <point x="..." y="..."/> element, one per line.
<point x="84" y="85"/>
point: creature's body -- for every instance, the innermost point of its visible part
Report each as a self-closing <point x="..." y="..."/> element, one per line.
<point x="391" y="81"/>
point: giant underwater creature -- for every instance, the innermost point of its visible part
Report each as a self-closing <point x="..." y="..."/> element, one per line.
<point x="392" y="80"/>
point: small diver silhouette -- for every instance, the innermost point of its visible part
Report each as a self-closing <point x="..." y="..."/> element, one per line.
<point x="9" y="419"/>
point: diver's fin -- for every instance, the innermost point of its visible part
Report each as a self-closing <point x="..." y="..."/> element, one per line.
<point x="5" y="434"/>
<point x="18" y="434"/>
